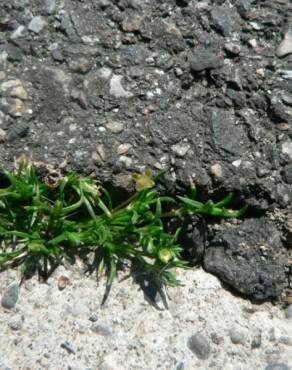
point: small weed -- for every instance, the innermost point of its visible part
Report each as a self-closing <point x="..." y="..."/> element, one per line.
<point x="44" y="222"/>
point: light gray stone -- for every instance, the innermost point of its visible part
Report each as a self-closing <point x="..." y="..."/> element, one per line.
<point x="102" y="329"/>
<point x="180" y="149"/>
<point x="285" y="47"/>
<point x="237" y="335"/>
<point x="37" y="24"/>
<point x="117" y="89"/>
<point x="216" y="170"/>
<point x="15" y="324"/>
<point x="287" y="148"/>
<point x="50" y="6"/>
<point x="200" y="346"/>
<point x="10" y="296"/>
<point x="115" y="126"/>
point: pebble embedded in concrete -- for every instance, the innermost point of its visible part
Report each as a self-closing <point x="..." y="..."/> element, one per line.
<point x="10" y="296"/>
<point x="199" y="344"/>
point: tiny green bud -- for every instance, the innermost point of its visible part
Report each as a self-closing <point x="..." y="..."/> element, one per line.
<point x="165" y="255"/>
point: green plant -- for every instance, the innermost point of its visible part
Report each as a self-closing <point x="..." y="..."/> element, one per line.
<point x="44" y="221"/>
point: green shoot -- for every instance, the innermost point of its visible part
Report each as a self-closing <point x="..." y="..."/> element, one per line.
<point x="44" y="222"/>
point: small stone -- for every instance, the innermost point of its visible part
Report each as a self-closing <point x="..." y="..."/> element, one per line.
<point x="63" y="281"/>
<point x="232" y="48"/>
<point x="15" y="324"/>
<point x="93" y="317"/>
<point x="79" y="97"/>
<point x="237" y="163"/>
<point x="287" y="98"/>
<point x="123" y="180"/>
<point x="237" y="335"/>
<point x="99" y="155"/>
<point x="199" y="345"/>
<point x="105" y="72"/>
<point x="216" y="338"/>
<point x="19" y="92"/>
<point x="14" y="53"/>
<point x="10" y="296"/>
<point x="37" y="24"/>
<point x="81" y="65"/>
<point x="203" y="59"/>
<point x="7" y="85"/>
<point x="287" y="148"/>
<point x="243" y="8"/>
<point x="223" y="20"/>
<point x="103" y="4"/>
<point x="102" y="329"/>
<point x="253" y="43"/>
<point x="180" y="365"/>
<point x="257" y="340"/>
<point x="116" y="88"/>
<point x="18" y="32"/>
<point x="277" y="366"/>
<point x="285" y="46"/>
<point x="115" y="126"/>
<point x="58" y="55"/>
<point x="125" y="161"/>
<point x="123" y="148"/>
<point x="288" y="312"/>
<point x="262" y="171"/>
<point x="180" y="149"/>
<point x="66" y="345"/>
<point x="216" y="170"/>
<point x="16" y="108"/>
<point x="132" y="23"/>
<point x="18" y="130"/>
<point x="50" y="6"/>
<point x="261" y="72"/>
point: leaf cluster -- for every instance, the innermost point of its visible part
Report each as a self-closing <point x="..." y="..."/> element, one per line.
<point x="46" y="221"/>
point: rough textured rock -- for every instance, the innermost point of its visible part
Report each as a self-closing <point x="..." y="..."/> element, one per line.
<point x="249" y="258"/>
<point x="204" y="59"/>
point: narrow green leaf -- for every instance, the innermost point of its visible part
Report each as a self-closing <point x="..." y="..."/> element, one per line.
<point x="112" y="272"/>
<point x="224" y="201"/>
<point x="89" y="208"/>
<point x="158" y="208"/>
<point x="104" y="208"/>
<point x="193" y="204"/>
